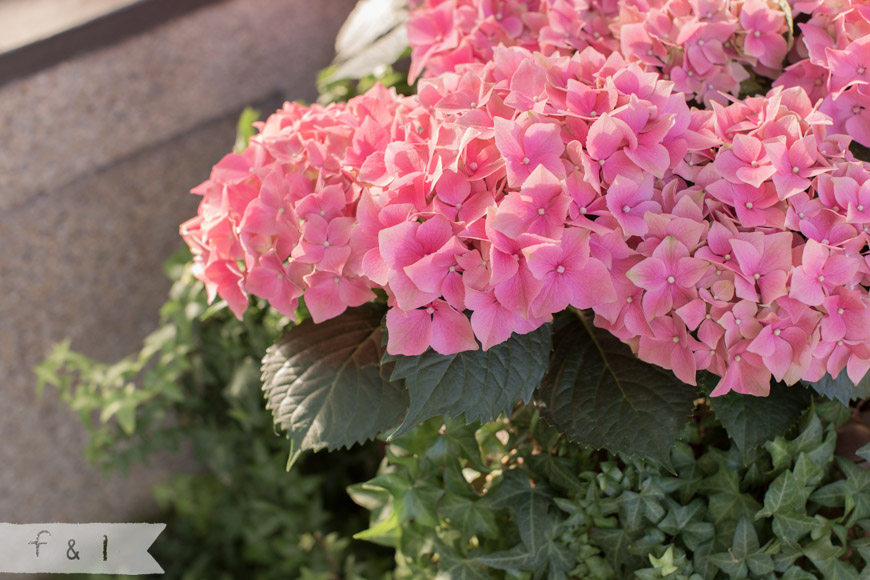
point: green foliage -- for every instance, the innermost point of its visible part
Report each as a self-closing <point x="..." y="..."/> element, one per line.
<point x="325" y="386"/>
<point x="600" y="394"/>
<point x="238" y="513"/>
<point x="477" y="384"/>
<point x="841" y="388"/>
<point x="341" y="89"/>
<point x="750" y="421"/>
<point x="245" y="128"/>
<point x="525" y="503"/>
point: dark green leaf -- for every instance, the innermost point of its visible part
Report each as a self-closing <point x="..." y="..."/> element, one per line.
<point x="615" y="544"/>
<point x="859" y="151"/>
<point x="454" y="567"/>
<point x="600" y="394"/>
<point x="745" y="542"/>
<point x="750" y="421"/>
<point x="539" y="529"/>
<point x="477" y="384"/>
<point x="842" y="388"/>
<point x="324" y="385"/>
<point x="471" y="517"/>
<point x="783" y="496"/>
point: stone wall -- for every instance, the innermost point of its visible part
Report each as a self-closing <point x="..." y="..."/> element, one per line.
<point x="97" y="155"/>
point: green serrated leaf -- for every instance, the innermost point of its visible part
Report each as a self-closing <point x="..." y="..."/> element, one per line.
<point x="750" y="421"/>
<point x="478" y="384"/>
<point x="323" y="383"/>
<point x="600" y="394"/>
<point x="842" y="388"/>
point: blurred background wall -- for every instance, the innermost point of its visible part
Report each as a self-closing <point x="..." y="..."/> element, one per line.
<point x="97" y="154"/>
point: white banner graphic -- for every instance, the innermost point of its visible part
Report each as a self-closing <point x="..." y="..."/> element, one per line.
<point x="84" y="548"/>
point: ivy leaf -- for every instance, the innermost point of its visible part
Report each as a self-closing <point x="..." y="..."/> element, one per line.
<point x="478" y="384"/>
<point x="841" y="388"/>
<point x="864" y="452"/>
<point x="323" y="383"/>
<point x="539" y="530"/>
<point x="454" y="567"/>
<point x="750" y="421"/>
<point x="615" y="544"/>
<point x="470" y="517"/>
<point x="600" y="394"/>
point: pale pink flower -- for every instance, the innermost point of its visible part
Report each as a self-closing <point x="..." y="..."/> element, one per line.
<point x="436" y="324"/>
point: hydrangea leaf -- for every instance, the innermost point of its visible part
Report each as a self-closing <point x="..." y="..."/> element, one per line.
<point x="478" y="384"/>
<point x="841" y="388"/>
<point x="750" y="421"/>
<point x="600" y="394"/>
<point x="324" y="384"/>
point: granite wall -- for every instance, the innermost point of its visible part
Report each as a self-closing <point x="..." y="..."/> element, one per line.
<point x="97" y="155"/>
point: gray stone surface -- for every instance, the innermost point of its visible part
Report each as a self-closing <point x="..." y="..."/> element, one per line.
<point x="96" y="159"/>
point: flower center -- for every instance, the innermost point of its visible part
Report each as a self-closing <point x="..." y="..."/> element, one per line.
<point x="756" y="34"/>
<point x="861" y="70"/>
<point x="629" y="300"/>
<point x="336" y="280"/>
<point x="676" y="340"/>
<point x="821" y="278"/>
<point x="754" y="163"/>
<point x="671" y="280"/>
<point x="777" y="332"/>
<point x="748" y="205"/>
<point x="840" y="311"/>
<point x="756" y="275"/>
<point x="473" y="166"/>
<point x="795" y="169"/>
<point x="430" y="310"/>
<point x="560" y="269"/>
<point x="526" y="160"/>
<point x="626" y="208"/>
<point x="541" y="211"/>
<point x="700" y="43"/>
<point x="856" y="110"/>
<point x="737" y="358"/>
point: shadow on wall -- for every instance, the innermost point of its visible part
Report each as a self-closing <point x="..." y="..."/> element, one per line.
<point x="98" y="156"/>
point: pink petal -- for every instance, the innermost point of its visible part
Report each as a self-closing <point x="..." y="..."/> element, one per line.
<point x="408" y="333"/>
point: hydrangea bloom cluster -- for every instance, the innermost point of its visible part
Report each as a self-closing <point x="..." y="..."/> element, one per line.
<point x="727" y="239"/>
<point x="832" y="62"/>
<point x="707" y="47"/>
